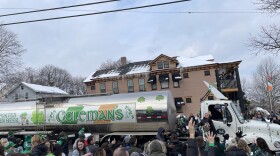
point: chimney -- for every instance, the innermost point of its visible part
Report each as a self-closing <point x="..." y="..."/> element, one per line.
<point x="123" y="61"/>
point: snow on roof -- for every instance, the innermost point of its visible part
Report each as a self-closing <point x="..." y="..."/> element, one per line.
<point x="88" y="79"/>
<point x="109" y="74"/>
<point x="2" y="85"/>
<point x="189" y="62"/>
<point x="205" y="57"/>
<point x="44" y="89"/>
<point x="139" y="69"/>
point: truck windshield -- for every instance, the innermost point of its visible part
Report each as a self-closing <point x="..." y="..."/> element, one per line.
<point x="238" y="114"/>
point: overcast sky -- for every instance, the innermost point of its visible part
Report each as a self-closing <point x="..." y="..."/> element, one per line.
<point x="81" y="44"/>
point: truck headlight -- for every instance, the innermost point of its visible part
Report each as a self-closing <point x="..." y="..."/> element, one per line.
<point x="276" y="144"/>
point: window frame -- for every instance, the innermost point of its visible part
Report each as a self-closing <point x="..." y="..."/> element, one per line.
<point x="92" y="87"/>
<point x="141" y="85"/>
<point x="128" y="90"/>
<point x="186" y="75"/>
<point x="165" y="64"/>
<point x="155" y="86"/>
<point x="176" y="82"/>
<point x="16" y="96"/>
<point x="115" y="90"/>
<point x="207" y="73"/>
<point x="101" y="89"/>
<point x="163" y="82"/>
<point x="160" y="63"/>
<point x="22" y="87"/>
<point x="188" y="100"/>
<point x="26" y="95"/>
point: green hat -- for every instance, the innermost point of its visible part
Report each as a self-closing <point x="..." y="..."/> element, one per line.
<point x="9" y="145"/>
<point x="82" y="131"/>
<point x="10" y="133"/>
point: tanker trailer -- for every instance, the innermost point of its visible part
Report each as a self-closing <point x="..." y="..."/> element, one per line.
<point x="133" y="112"/>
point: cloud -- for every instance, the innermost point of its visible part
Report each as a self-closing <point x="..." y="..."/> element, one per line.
<point x="80" y="45"/>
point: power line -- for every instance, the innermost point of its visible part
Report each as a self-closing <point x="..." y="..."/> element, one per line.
<point x="96" y="13"/>
<point x="70" y="6"/>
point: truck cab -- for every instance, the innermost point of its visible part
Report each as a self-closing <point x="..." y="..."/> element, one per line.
<point x="228" y="120"/>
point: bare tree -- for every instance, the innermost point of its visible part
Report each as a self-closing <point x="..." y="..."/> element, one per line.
<point x="77" y="86"/>
<point x="110" y="64"/>
<point x="268" y="40"/>
<point x="28" y="75"/>
<point x="10" y="51"/>
<point x="269" y="5"/>
<point x="267" y="69"/>
<point x="51" y="75"/>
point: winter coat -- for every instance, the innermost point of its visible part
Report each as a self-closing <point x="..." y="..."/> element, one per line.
<point x="40" y="150"/>
<point x="234" y="151"/>
<point x="77" y="153"/>
<point x="177" y="149"/>
<point x="192" y="149"/>
<point x="156" y="149"/>
<point x="134" y="149"/>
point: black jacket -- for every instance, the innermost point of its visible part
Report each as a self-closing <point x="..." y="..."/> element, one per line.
<point x="192" y="149"/>
<point x="234" y="151"/>
<point x="40" y="150"/>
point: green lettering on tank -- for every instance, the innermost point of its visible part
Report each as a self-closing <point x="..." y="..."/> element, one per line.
<point x="92" y="115"/>
<point x="119" y="114"/>
<point x="111" y="115"/>
<point x="72" y="114"/>
<point x="60" y="117"/>
<point x="102" y="116"/>
<point x="82" y="116"/>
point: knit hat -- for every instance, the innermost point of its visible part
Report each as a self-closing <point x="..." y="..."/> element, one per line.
<point x="82" y="131"/>
<point x="126" y="139"/>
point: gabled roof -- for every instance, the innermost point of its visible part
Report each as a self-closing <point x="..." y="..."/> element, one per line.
<point x="41" y="89"/>
<point x="130" y="68"/>
<point x="162" y="55"/>
<point x="144" y="66"/>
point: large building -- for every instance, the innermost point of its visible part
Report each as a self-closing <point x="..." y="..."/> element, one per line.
<point x="183" y="76"/>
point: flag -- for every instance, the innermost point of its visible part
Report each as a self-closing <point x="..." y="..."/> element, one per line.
<point x="269" y="84"/>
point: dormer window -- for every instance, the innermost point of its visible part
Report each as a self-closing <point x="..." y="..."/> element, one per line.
<point x="163" y="65"/>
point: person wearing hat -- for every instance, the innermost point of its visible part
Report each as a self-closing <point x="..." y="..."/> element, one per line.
<point x="9" y="147"/>
<point x="81" y="136"/>
<point x="133" y="145"/>
<point x="27" y="144"/>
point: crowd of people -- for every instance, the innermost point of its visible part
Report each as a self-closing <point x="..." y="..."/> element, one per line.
<point x="163" y="144"/>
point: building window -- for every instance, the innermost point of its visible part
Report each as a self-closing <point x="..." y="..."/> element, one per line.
<point x="92" y="87"/>
<point x="186" y="75"/>
<point x="26" y="95"/>
<point x="141" y="85"/>
<point x="176" y="84"/>
<point x="115" y="87"/>
<point x="210" y="97"/>
<point x="166" y="64"/>
<point x="164" y="81"/>
<point x="130" y="86"/>
<point x="164" y="84"/>
<point x="206" y="73"/>
<point x="154" y="86"/>
<point x="21" y="87"/>
<point x="102" y="88"/>
<point x="16" y="96"/>
<point x="160" y="65"/>
<point x="188" y="100"/>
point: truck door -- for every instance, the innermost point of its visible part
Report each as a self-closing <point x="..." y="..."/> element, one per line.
<point x="222" y="119"/>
